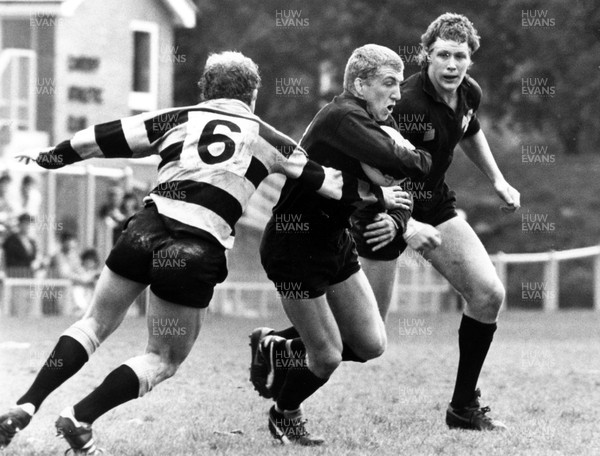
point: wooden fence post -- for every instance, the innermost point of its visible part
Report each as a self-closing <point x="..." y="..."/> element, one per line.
<point x="597" y="282"/>
<point x="551" y="284"/>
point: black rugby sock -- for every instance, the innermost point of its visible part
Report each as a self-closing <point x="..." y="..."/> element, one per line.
<point x="299" y="385"/>
<point x="474" y="340"/>
<point x="288" y="354"/>
<point x="120" y="386"/>
<point x="291" y="333"/>
<point x="65" y="360"/>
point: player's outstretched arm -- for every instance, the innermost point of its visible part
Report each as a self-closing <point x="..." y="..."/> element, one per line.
<point x="335" y="184"/>
<point x="131" y="137"/>
<point x="478" y="150"/>
<point x="288" y="158"/>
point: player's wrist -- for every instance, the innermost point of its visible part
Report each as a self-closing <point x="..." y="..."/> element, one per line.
<point x="498" y="181"/>
<point x="412" y="228"/>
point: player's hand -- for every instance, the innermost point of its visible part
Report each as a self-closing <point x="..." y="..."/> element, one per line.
<point x="396" y="198"/>
<point x="381" y="231"/>
<point x="31" y="155"/>
<point x="509" y="195"/>
<point x="421" y="236"/>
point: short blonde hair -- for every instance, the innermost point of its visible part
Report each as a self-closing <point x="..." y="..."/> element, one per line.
<point x="366" y="61"/>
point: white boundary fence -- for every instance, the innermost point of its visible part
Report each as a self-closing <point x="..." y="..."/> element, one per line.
<point x="418" y="287"/>
<point x="551" y="261"/>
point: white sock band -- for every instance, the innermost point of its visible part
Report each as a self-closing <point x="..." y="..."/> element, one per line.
<point x="83" y="332"/>
<point x="145" y="371"/>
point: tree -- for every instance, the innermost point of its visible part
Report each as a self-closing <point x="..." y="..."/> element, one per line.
<point x="538" y="63"/>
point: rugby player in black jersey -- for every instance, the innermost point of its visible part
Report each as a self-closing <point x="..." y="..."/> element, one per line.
<point x="437" y="111"/>
<point x="214" y="156"/>
<point x="332" y="306"/>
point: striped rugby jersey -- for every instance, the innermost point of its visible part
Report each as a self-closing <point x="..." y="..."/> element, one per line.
<point x="214" y="156"/>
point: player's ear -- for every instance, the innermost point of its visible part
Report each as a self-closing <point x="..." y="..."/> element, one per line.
<point x="253" y="100"/>
<point x="358" y="87"/>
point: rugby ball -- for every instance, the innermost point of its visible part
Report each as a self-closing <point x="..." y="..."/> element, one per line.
<point x="376" y="176"/>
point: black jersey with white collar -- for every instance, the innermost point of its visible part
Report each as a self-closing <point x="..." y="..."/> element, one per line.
<point x="427" y="121"/>
<point x="341" y="136"/>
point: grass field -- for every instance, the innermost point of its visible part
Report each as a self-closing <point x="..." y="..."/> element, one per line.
<point x="542" y="378"/>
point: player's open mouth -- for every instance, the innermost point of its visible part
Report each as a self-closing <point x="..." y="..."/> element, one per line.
<point x="390" y="108"/>
<point x="450" y="78"/>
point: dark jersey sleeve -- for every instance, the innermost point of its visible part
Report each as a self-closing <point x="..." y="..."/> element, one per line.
<point x="400" y="217"/>
<point x="291" y="160"/>
<point x="360" y="137"/>
<point x="63" y="154"/>
<point x="473" y="99"/>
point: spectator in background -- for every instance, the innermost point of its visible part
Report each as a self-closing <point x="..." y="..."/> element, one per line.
<point x="111" y="217"/>
<point x="67" y="264"/>
<point x="90" y="261"/>
<point x="111" y="211"/>
<point x="20" y="250"/>
<point x="130" y="206"/>
<point x="7" y="210"/>
<point x="31" y="198"/>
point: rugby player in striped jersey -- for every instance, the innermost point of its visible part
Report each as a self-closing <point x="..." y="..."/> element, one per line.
<point x="214" y="156"/>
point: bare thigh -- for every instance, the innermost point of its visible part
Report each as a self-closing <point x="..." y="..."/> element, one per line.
<point x="318" y="329"/>
<point x="355" y="310"/>
<point x="112" y="297"/>
<point x="172" y="329"/>
<point x="463" y="260"/>
<point x="381" y="276"/>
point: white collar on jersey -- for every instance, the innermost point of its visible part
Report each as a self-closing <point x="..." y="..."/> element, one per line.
<point x="229" y="104"/>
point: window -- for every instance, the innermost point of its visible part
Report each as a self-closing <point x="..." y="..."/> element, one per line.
<point x="144" y="80"/>
<point x="141" y="61"/>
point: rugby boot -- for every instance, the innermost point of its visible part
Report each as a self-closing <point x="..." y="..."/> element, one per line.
<point x="290" y="427"/>
<point x="473" y="417"/>
<point x="78" y="435"/>
<point x="259" y="370"/>
<point x="12" y="422"/>
<point x="275" y="373"/>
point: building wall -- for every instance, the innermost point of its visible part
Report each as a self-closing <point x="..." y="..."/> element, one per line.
<point x="102" y="31"/>
<point x="45" y="83"/>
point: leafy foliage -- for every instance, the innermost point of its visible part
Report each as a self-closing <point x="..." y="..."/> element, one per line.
<point x="554" y="41"/>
